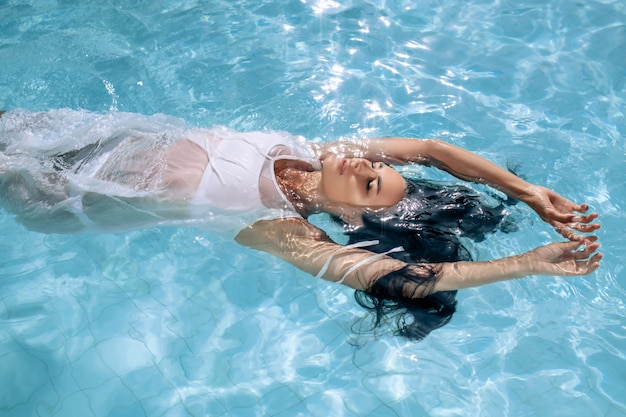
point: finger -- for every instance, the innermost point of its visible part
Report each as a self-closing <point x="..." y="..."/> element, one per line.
<point x="590" y="265"/>
<point x="588" y="250"/>
<point x="584" y="219"/>
<point x="595" y="260"/>
<point x="581" y="208"/>
<point x="562" y="217"/>
<point x="590" y="239"/>
<point x="566" y="232"/>
<point x="584" y="228"/>
<point x="589" y="218"/>
<point x="571" y="245"/>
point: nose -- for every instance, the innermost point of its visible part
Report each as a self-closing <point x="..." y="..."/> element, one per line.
<point x="363" y="168"/>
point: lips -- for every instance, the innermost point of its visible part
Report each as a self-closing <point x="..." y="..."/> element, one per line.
<point x="342" y="166"/>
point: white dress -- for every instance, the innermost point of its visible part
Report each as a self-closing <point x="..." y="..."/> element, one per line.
<point x="68" y="171"/>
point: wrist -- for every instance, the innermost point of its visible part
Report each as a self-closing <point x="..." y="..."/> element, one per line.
<point x="525" y="264"/>
<point x="465" y="274"/>
<point x="523" y="192"/>
<point x="511" y="267"/>
<point x="529" y="193"/>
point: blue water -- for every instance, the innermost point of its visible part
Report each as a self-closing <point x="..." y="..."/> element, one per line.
<point x="176" y="322"/>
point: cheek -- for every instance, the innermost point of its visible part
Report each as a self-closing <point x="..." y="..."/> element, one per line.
<point x="333" y="186"/>
<point x="394" y="189"/>
<point x="327" y="179"/>
<point x="337" y="188"/>
<point x="330" y="175"/>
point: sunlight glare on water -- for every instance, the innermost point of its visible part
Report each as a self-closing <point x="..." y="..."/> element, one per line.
<point x="176" y="322"/>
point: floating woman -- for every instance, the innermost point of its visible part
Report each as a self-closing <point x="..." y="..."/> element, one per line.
<point x="67" y="171"/>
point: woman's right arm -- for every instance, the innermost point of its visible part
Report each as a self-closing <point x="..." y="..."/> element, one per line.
<point x="310" y="249"/>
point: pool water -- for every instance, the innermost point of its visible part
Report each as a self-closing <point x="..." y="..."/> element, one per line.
<point x="176" y="322"/>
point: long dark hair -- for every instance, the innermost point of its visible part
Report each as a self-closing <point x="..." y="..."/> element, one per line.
<point x="429" y="224"/>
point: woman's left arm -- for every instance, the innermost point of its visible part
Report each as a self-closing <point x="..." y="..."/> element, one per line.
<point x="551" y="207"/>
<point x="310" y="249"/>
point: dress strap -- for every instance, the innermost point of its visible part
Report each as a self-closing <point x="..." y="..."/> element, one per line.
<point x="368" y="260"/>
<point x="358" y="265"/>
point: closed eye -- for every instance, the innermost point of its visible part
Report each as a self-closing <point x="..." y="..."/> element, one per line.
<point x="370" y="184"/>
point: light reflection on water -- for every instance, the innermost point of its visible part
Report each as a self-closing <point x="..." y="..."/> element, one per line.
<point x="176" y="322"/>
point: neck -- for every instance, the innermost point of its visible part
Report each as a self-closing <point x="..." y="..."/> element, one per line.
<point x="303" y="187"/>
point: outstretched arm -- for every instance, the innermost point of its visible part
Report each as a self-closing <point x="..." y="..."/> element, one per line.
<point x="310" y="249"/>
<point x="558" y="259"/>
<point x="556" y="210"/>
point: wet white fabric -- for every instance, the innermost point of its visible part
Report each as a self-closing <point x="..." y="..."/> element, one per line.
<point x="326" y="265"/>
<point x="369" y="260"/>
<point x="111" y="172"/>
<point x="231" y="182"/>
<point x="239" y="182"/>
<point x="363" y="244"/>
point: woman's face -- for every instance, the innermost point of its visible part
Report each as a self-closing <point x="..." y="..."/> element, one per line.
<point x="362" y="183"/>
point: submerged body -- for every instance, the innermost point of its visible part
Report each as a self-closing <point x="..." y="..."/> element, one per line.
<point x="69" y="171"/>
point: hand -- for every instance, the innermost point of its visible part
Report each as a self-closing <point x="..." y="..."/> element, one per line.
<point x="558" y="211"/>
<point x="562" y="258"/>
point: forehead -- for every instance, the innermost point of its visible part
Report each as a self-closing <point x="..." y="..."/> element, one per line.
<point x="393" y="188"/>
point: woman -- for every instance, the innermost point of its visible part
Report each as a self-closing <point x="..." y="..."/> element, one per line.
<point x="66" y="171"/>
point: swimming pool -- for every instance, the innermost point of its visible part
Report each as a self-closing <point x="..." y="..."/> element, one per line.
<point x="175" y="322"/>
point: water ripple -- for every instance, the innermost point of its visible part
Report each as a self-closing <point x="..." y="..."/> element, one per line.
<point x="177" y="322"/>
